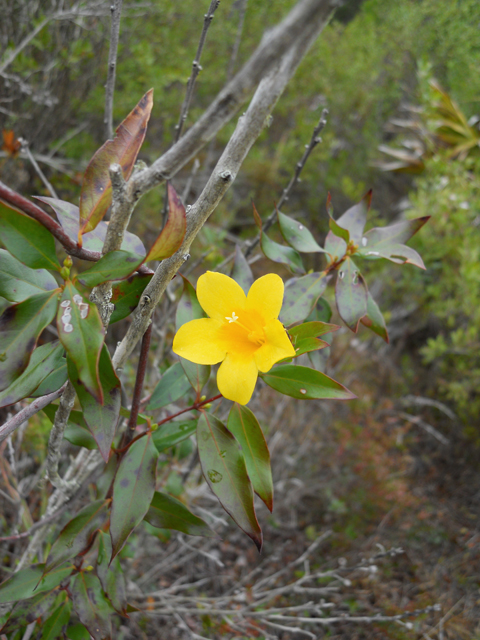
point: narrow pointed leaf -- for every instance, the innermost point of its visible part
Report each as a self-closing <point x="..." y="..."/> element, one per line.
<point x="126" y="295"/>
<point x="68" y="215"/>
<point x="96" y="195"/>
<point x="241" y="272"/>
<point x="27" y="611"/>
<point x="338" y="231"/>
<point x="91" y="606"/>
<point x="301" y="295"/>
<point x="244" y="426"/>
<point x="312" y="329"/>
<point x="166" y="512"/>
<point x="101" y="419"/>
<point x="171" y="433"/>
<point x="81" y="332"/>
<point x="374" y="319"/>
<point x="398" y="253"/>
<point x="27" y="583"/>
<point x="18" y="282"/>
<point x="304" y="383"/>
<point x="53" y="381"/>
<point x="20" y="326"/>
<point x="111" y="575"/>
<point x="224" y="468"/>
<point x="44" y="360"/>
<point x="133" y="490"/>
<point x="117" y="265"/>
<point x="27" y="240"/>
<point x="351" y="294"/>
<point x="354" y="219"/>
<point x="306" y="345"/>
<point x="297" y="235"/>
<point x="172" y="234"/>
<point x="172" y="386"/>
<point x="189" y="309"/>
<point x="77" y="534"/>
<point x="394" y="234"/>
<point x="55" y="625"/>
<point x="278" y="252"/>
<point x="335" y="246"/>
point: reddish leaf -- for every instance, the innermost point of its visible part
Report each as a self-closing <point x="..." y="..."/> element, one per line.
<point x="77" y="534"/>
<point x="246" y="429"/>
<point x="91" y="606"/>
<point x="20" y="326"/>
<point x="351" y="294"/>
<point x="172" y="234"/>
<point x="81" y="332"/>
<point x="101" y="419"/>
<point x="10" y="144"/>
<point x="133" y="490"/>
<point x="96" y="195"/>
<point x="224" y="468"/>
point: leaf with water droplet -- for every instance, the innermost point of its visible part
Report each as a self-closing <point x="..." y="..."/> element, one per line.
<point x="234" y="490"/>
<point x="297" y="235"/>
<point x="293" y="380"/>
<point x="351" y="295"/>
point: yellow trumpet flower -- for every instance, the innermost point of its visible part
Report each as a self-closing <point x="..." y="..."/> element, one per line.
<point x="242" y="332"/>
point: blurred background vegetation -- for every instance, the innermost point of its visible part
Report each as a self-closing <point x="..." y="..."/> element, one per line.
<point x="399" y="75"/>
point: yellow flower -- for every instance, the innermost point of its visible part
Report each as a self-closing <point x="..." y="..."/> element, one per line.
<point x="242" y="332"/>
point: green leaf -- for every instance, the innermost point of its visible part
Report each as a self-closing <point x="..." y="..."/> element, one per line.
<point x="297" y="235"/>
<point x="398" y="253"/>
<point x="304" y="383"/>
<point x="172" y="234"/>
<point x="374" y="319"/>
<point x="244" y="426"/>
<point x="44" y="360"/>
<point x="312" y="329"/>
<point x="354" y="219"/>
<point x="116" y="265"/>
<point x="78" y="632"/>
<point x="101" y="419"/>
<point x="351" y="294"/>
<point x="77" y="534"/>
<point x="91" y="606"/>
<point x="81" y="332"/>
<point x="26" y="611"/>
<point x="18" y="282"/>
<point x="394" y="234"/>
<point x="338" y="231"/>
<point x="133" y="490"/>
<point x="126" y="295"/>
<point x="280" y="253"/>
<point x="111" y="575"/>
<point x="96" y="195"/>
<point x="306" y="345"/>
<point x="301" y="294"/>
<point x="172" y="386"/>
<point x="27" y="240"/>
<point x="241" y="271"/>
<point x="224" y="468"/>
<point x="321" y="313"/>
<point x="28" y="582"/>
<point x="53" y="381"/>
<point x="69" y="217"/>
<point x="189" y="309"/>
<point x="20" y="326"/>
<point x="166" y="512"/>
<point x="53" y="627"/>
<point x="171" y="433"/>
<point x="335" y="246"/>
<point x="76" y="430"/>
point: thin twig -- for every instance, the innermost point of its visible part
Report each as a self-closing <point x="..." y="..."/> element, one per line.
<point x="22" y="416"/>
<point x="314" y="140"/>
<point x="196" y="68"/>
<point x="425" y="426"/>
<point x="236" y="46"/>
<point x="137" y="393"/>
<point x="39" y="172"/>
<point x="56" y="435"/>
<point x="116" y="10"/>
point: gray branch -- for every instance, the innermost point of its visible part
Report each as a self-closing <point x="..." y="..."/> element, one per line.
<point x="246" y="133"/>
<point x="56" y="436"/>
<point x="116" y="9"/>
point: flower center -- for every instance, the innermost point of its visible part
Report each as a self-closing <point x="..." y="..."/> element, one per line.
<point x="255" y="332"/>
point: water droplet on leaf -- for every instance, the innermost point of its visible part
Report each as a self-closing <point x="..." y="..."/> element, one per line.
<point x="304" y="391"/>
<point x="355" y="277"/>
<point x="364" y="242"/>
<point x="300" y="226"/>
<point x="372" y="253"/>
<point x="214" y="476"/>
<point x="341" y="274"/>
<point x="222" y="453"/>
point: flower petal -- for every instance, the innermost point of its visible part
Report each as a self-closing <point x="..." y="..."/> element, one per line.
<point x="199" y="341"/>
<point x="276" y="347"/>
<point x="236" y="378"/>
<point x="220" y="295"/>
<point x="266" y="296"/>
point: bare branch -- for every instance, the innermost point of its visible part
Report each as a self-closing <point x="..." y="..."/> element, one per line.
<point x="40" y="173"/>
<point x="196" y="68"/>
<point x="116" y="9"/>
<point x="236" y="46"/>
<point x="137" y="393"/>
<point x="25" y="414"/>
<point x="247" y="131"/>
<point x="56" y="436"/>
